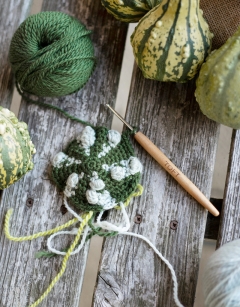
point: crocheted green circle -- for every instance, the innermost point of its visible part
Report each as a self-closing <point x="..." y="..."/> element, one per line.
<point x="98" y="170"/>
<point x="51" y="54"/>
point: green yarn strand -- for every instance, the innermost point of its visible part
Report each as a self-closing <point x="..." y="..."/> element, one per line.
<point x="98" y="231"/>
<point x="52" y="55"/>
<point x="49" y="106"/>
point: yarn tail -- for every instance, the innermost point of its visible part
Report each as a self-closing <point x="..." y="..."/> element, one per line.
<point x="174" y="278"/>
<point x="84" y="222"/>
<point x="65" y="259"/>
<point x="36" y="235"/>
<point x="49" y="106"/>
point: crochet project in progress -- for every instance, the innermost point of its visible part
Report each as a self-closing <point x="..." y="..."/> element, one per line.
<point x="97" y="172"/>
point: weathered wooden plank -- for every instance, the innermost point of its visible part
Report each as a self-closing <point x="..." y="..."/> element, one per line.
<point x="12" y="13"/>
<point x="24" y="278"/>
<point x="229" y="224"/>
<point x="169" y="115"/>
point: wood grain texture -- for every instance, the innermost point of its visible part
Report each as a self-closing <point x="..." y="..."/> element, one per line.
<point x="24" y="278"/>
<point x="12" y="13"/>
<point x="229" y="224"/>
<point x="183" y="180"/>
<point x="108" y="292"/>
<point x="168" y="115"/>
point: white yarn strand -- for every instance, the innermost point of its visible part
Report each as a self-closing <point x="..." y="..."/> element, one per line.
<point x="174" y="278"/>
<point x="71" y="232"/>
<point x="111" y="227"/>
<point x="70" y="210"/>
<point x="68" y="232"/>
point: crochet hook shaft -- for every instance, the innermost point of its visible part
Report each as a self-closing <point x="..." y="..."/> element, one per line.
<point x="159" y="156"/>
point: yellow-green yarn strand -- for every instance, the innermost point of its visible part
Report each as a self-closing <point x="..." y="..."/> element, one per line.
<point x="65" y="259"/>
<point x="138" y="192"/>
<point x="36" y="235"/>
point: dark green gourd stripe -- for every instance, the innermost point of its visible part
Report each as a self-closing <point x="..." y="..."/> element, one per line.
<point x="16" y="148"/>
<point x="162" y="60"/>
<point x="125" y="16"/>
<point x="147" y="33"/>
<point x="205" y="40"/>
<point x="129" y="10"/>
<point x="187" y="66"/>
<point x="171" y="47"/>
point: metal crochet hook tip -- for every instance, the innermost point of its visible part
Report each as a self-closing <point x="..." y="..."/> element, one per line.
<point x="120" y="117"/>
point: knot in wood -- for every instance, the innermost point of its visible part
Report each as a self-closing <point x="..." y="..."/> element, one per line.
<point x="29" y="202"/>
<point x="138" y="219"/>
<point x="174" y="224"/>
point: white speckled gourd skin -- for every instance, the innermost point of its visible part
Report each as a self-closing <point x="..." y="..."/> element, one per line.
<point x="218" y="90"/>
<point x="129" y="10"/>
<point x="171" y="41"/>
<point x="16" y="149"/>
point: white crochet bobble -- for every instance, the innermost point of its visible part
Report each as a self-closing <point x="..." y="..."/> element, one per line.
<point x="105" y="200"/>
<point x="96" y="184"/>
<point x="114" y="137"/>
<point x="87" y="137"/>
<point x="118" y="173"/>
<point x="92" y="197"/>
<point x="72" y="180"/>
<point x="59" y="158"/>
<point x="135" y="166"/>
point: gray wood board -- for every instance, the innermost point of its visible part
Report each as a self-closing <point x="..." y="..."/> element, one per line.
<point x="12" y="13"/>
<point x="168" y="114"/>
<point x="24" y="278"/>
<point x="229" y="224"/>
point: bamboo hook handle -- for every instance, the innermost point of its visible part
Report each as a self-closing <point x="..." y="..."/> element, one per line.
<point x="158" y="155"/>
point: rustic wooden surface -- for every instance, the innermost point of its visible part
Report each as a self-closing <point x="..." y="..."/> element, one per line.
<point x="168" y="114"/>
<point x="130" y="274"/>
<point x="12" y="13"/>
<point x="229" y="224"/>
<point x="24" y="278"/>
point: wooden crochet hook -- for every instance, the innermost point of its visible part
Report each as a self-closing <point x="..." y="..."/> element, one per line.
<point x="159" y="156"/>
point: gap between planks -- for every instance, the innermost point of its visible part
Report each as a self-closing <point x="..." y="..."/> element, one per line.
<point x="94" y="254"/>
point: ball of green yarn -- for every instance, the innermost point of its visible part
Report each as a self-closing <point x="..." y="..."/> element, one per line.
<point x="51" y="54"/>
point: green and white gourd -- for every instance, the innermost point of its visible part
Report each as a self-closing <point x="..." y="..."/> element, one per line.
<point x="129" y="10"/>
<point x="171" y="41"/>
<point x="16" y="149"/>
<point x="218" y="90"/>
